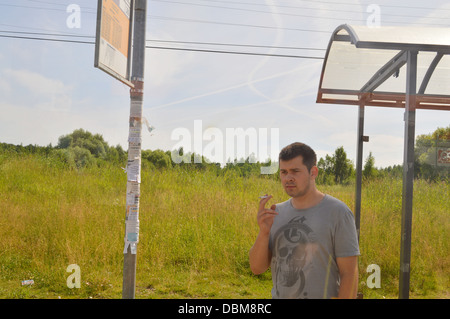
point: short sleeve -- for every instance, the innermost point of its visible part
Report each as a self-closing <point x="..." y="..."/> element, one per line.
<point x="346" y="238"/>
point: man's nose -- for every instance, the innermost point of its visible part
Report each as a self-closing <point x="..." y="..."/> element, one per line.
<point x="289" y="177"/>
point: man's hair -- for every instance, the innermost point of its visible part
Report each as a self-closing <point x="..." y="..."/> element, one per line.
<point x="299" y="149"/>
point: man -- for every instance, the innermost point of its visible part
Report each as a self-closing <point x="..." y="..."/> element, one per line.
<point x="310" y="240"/>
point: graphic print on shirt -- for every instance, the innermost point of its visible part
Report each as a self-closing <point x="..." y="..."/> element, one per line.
<point x="293" y="250"/>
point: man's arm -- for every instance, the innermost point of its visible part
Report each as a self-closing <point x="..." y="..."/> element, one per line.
<point x="348" y="272"/>
<point x="260" y="255"/>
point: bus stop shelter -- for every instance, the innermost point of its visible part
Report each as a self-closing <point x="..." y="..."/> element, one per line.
<point x="402" y="67"/>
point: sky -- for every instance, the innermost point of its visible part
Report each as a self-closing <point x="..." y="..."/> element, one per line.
<point x="50" y="88"/>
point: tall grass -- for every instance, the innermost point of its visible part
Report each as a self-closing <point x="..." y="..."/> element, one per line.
<point x="195" y="232"/>
<point x="381" y="236"/>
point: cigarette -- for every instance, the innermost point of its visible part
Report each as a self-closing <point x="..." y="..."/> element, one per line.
<point x="264" y="196"/>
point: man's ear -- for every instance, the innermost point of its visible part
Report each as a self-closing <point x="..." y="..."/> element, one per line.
<point x="314" y="171"/>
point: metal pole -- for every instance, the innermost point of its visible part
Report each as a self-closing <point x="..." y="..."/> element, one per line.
<point x="134" y="151"/>
<point x="359" y="160"/>
<point x="408" y="174"/>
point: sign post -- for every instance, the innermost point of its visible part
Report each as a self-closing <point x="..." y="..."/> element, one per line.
<point x="120" y="52"/>
<point x="134" y="151"/>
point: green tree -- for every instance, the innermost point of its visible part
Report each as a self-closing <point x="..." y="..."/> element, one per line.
<point x="158" y="158"/>
<point x="343" y="167"/>
<point x="326" y="170"/>
<point x="82" y="148"/>
<point x="95" y="144"/>
<point x="336" y="169"/>
<point x="116" y="154"/>
<point x="369" y="169"/>
<point x="75" y="157"/>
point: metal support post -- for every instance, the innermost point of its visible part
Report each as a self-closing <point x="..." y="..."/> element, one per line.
<point x="359" y="160"/>
<point x="408" y="174"/>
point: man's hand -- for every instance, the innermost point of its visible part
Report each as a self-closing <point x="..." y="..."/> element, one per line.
<point x="260" y="255"/>
<point x="265" y="216"/>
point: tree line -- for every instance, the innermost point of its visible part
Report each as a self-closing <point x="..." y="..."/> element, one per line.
<point x="81" y="149"/>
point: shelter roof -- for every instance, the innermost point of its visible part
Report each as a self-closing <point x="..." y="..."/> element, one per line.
<point x="368" y="65"/>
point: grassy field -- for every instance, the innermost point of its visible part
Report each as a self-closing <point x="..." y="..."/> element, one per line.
<point x="195" y="233"/>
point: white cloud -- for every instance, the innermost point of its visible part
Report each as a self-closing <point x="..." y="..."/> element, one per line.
<point x="5" y="87"/>
<point x="46" y="93"/>
<point x="437" y="17"/>
<point x="35" y="82"/>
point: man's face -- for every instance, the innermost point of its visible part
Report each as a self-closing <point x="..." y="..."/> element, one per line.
<point x="295" y="177"/>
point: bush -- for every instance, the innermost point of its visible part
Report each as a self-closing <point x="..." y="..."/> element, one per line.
<point x="75" y="157"/>
<point x="158" y="158"/>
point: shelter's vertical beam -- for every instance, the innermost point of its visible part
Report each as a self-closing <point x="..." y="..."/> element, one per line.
<point x="134" y="151"/>
<point x="408" y="174"/>
<point x="359" y="160"/>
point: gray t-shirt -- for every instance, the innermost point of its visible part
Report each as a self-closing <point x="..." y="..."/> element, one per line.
<point x="304" y="245"/>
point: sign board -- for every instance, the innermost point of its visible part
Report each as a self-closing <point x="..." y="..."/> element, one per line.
<point x="113" y="38"/>
<point x="443" y="156"/>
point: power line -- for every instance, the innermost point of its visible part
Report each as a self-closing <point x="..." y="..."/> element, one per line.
<point x="237" y="45"/>
<point x="45" y="39"/>
<point x="248" y="10"/>
<point x="168" y="48"/>
<point x="236" y="52"/>
<point x="85" y="9"/>
<point x="247" y="25"/>
<point x="314" y="2"/>
<point x="54" y="3"/>
<point x="28" y="7"/>
<point x="278" y="13"/>
<point x="259" y="11"/>
<point x="384" y="5"/>
<point x="237" y="24"/>
<point x="29" y="28"/>
<point x="170" y="41"/>
<point x="193" y="20"/>
<point x="322" y="9"/>
<point x="49" y="34"/>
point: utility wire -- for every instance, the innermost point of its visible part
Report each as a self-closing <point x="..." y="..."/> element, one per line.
<point x="322" y="9"/>
<point x="237" y="45"/>
<point x="54" y="3"/>
<point x="150" y="17"/>
<point x="382" y="5"/>
<point x="278" y="13"/>
<point x="168" y="48"/>
<point x="49" y="34"/>
<point x="28" y="7"/>
<point x="314" y="2"/>
<point x="243" y="53"/>
<point x="45" y="39"/>
<point x="260" y="11"/>
<point x="169" y="41"/>
<point x="93" y="11"/>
